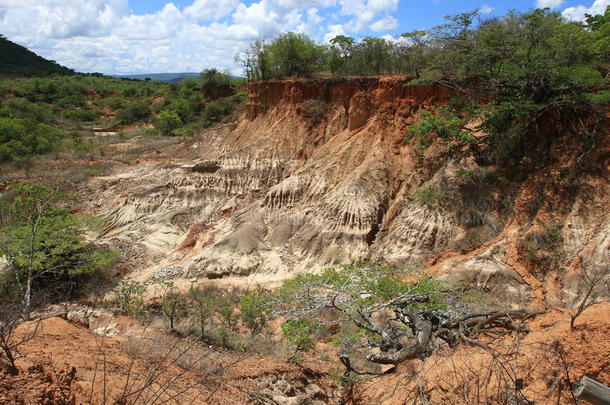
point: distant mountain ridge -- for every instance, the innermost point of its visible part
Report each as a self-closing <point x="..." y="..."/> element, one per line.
<point x="18" y="60"/>
<point x="165" y="77"/>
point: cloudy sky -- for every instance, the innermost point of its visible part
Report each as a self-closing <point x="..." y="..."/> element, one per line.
<point x="149" y="36"/>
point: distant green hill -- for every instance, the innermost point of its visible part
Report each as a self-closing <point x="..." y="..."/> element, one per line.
<point x="17" y="60"/>
<point x="164" y="77"/>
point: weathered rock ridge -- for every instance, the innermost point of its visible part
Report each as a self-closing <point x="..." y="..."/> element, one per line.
<point x="317" y="173"/>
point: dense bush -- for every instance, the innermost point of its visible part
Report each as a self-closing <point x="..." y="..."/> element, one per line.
<point x="22" y="108"/>
<point x="86" y="115"/>
<point x="133" y="112"/>
<point x="168" y="122"/>
<point x="19" y="139"/>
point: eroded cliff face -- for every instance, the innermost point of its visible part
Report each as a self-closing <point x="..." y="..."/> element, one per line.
<point x="317" y="173"/>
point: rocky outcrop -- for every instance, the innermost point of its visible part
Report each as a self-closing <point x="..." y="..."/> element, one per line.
<point x="317" y="173"/>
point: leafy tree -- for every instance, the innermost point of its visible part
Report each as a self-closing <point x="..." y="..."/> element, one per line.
<point x="172" y="305"/>
<point x="215" y="83"/>
<point x="129" y="296"/>
<point x="294" y="54"/>
<point x="290" y="54"/>
<point x="253" y="308"/>
<point x="299" y="333"/>
<point x="168" y="122"/>
<point x="133" y="112"/>
<point x="341" y="50"/>
<point x="20" y="139"/>
<point x="212" y="113"/>
<point x="43" y="244"/>
<point x="416" y="50"/>
<point x="202" y="302"/>
<point x="183" y="109"/>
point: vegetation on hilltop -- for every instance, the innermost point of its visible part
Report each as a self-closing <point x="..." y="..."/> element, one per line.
<point x="17" y="60"/>
<point x="468" y="45"/>
<point x="511" y="72"/>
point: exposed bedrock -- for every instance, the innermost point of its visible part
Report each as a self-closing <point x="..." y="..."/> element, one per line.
<point x="317" y="173"/>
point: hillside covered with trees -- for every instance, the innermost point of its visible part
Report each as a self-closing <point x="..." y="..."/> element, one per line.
<point x="43" y="114"/>
<point x="18" y="60"/>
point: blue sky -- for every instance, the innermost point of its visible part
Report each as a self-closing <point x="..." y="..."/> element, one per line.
<point x="148" y="36"/>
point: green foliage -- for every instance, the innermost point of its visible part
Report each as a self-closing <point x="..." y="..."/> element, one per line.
<point x="215" y="84"/>
<point x="446" y="126"/>
<point x="429" y="197"/>
<point x="168" y="122"/>
<point x="22" y="108"/>
<point x="173" y="304"/>
<point x="113" y="102"/>
<point x="253" y="308"/>
<point x="43" y="242"/>
<point x="290" y="54"/>
<point x="361" y="284"/>
<point x="129" y="296"/>
<point x="20" y="139"/>
<point x="601" y="97"/>
<point x="133" y="112"/>
<point x="347" y="341"/>
<point x="82" y="115"/>
<point x="300" y="332"/>
<point x="18" y="60"/>
<point x="226" y="306"/>
<point x="183" y="109"/>
<point x="201" y="305"/>
<point x="213" y="113"/>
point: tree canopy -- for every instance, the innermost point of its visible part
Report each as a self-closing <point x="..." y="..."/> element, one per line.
<point x="43" y="244"/>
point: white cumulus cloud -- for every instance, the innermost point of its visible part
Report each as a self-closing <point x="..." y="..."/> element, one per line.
<point x="549" y="3"/>
<point x="208" y="10"/>
<point x="388" y="23"/>
<point x="485" y="9"/>
<point x="578" y="13"/>
<point x="106" y="36"/>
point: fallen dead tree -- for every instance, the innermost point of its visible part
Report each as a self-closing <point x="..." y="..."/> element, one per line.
<point x="592" y="391"/>
<point x="394" y="320"/>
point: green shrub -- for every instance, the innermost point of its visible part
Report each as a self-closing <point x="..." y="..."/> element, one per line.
<point x="429" y="197"/>
<point x="45" y="243"/>
<point x="253" y="308"/>
<point x="85" y="115"/>
<point x="168" y="122"/>
<point x="212" y="113"/>
<point x="129" y="296"/>
<point x="18" y="140"/>
<point x="446" y="126"/>
<point x="113" y="102"/>
<point x="133" y="112"/>
<point x="22" y="108"/>
<point x="300" y="334"/>
<point x="183" y="109"/>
